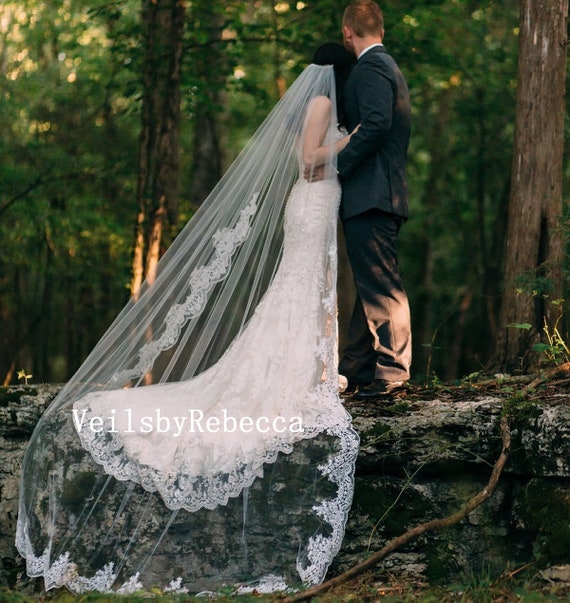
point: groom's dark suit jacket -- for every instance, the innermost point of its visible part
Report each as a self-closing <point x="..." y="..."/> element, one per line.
<point x="372" y="167"/>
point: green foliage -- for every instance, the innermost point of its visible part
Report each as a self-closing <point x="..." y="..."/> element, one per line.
<point x="481" y="588"/>
<point x="66" y="164"/>
<point x="459" y="165"/>
<point x="69" y="115"/>
<point x="553" y="349"/>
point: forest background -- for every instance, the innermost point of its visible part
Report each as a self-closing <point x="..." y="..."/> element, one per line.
<point x="117" y="117"/>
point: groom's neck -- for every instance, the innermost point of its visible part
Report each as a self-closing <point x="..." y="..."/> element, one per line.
<point x="361" y="43"/>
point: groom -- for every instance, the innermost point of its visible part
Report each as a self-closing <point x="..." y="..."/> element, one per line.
<point x="372" y="171"/>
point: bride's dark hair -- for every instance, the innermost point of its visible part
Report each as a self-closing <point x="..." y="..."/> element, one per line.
<point x="342" y="62"/>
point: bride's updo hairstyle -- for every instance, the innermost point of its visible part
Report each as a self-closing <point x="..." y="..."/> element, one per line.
<point x="342" y="62"/>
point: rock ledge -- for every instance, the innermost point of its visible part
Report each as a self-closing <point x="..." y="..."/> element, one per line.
<point x="420" y="458"/>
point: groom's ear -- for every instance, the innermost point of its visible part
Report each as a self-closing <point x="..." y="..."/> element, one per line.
<point x="347" y="35"/>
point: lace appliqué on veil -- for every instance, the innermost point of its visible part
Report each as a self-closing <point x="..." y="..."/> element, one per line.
<point x="300" y="287"/>
<point x="201" y="281"/>
<point x="186" y="489"/>
<point x="334" y="511"/>
<point x="63" y="573"/>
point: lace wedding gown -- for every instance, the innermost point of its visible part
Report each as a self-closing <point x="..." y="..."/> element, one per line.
<point x="242" y="474"/>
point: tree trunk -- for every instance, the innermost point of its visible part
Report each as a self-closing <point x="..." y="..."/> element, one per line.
<point x="207" y="158"/>
<point x="425" y="330"/>
<point x="158" y="178"/>
<point x="534" y="243"/>
<point x="210" y="69"/>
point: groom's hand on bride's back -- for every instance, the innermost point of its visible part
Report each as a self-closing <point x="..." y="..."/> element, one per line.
<point x="314" y="174"/>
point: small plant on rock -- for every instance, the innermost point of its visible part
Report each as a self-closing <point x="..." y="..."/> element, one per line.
<point x="23" y="375"/>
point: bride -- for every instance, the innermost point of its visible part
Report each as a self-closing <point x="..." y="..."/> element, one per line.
<point x="203" y="442"/>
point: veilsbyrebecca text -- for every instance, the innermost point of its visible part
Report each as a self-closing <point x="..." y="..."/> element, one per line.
<point x="193" y="422"/>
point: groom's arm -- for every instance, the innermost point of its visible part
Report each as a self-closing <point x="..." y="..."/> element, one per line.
<point x="375" y="97"/>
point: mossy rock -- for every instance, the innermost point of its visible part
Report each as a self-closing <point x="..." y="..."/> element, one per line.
<point x="544" y="510"/>
<point x="10" y="395"/>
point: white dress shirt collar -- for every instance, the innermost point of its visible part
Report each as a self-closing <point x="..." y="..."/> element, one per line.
<point x="368" y="48"/>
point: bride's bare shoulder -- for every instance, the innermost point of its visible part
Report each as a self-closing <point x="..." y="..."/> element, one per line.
<point x="320" y="103"/>
<point x="319" y="108"/>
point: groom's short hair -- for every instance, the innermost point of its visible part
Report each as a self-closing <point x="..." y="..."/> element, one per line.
<point x="365" y="18"/>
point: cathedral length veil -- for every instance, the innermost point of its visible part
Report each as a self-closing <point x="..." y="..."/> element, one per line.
<point x="238" y="324"/>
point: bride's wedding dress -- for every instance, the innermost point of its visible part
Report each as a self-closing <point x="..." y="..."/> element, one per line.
<point x="209" y="437"/>
<point x="240" y="475"/>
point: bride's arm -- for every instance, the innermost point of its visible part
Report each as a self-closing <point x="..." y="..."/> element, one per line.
<point x="316" y="126"/>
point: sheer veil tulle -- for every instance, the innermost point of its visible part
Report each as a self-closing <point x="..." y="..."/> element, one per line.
<point x="238" y="324"/>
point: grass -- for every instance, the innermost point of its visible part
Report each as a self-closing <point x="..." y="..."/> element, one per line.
<point x="365" y="589"/>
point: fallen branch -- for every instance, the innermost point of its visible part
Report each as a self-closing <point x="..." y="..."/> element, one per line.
<point x="435" y="524"/>
<point x="556" y="372"/>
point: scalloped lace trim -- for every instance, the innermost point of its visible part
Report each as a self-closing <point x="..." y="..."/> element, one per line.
<point x="340" y="470"/>
<point x="311" y="567"/>
<point x="184" y="488"/>
<point x="202" y="279"/>
<point x="63" y="573"/>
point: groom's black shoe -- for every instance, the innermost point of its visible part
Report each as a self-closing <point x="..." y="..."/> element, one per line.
<point x="379" y="388"/>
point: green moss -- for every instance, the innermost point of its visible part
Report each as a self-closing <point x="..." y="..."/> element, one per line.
<point x="520" y="410"/>
<point x="545" y="509"/>
<point x="399" y="407"/>
<point x="393" y="503"/>
<point x="379" y="432"/>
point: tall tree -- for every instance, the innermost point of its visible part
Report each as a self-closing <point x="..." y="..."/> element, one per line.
<point x="534" y="243"/>
<point x="158" y="177"/>
<point x="208" y="70"/>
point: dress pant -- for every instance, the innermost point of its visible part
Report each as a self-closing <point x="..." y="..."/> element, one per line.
<point x="379" y="344"/>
